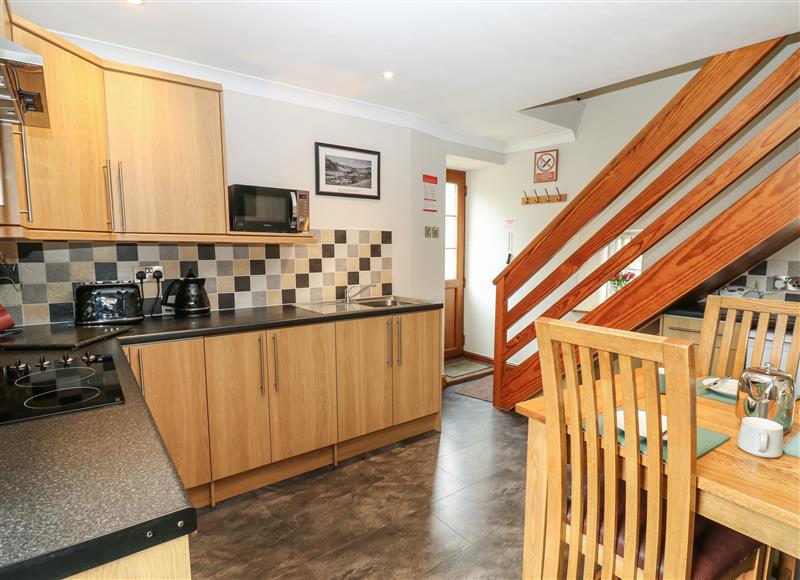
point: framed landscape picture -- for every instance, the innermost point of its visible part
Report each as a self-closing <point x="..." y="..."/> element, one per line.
<point x="348" y="172"/>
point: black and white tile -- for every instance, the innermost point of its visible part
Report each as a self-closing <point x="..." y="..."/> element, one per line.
<point x="37" y="279"/>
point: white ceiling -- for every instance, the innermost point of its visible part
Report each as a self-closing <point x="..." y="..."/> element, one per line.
<point x="468" y="66"/>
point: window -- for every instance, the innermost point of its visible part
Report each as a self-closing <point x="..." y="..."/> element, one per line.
<point x="451" y="231"/>
<point x="634" y="268"/>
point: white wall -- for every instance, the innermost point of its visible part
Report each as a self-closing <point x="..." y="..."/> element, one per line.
<point x="610" y="121"/>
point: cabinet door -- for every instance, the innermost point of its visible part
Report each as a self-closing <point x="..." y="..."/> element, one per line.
<point x="66" y="162"/>
<point x="173" y="381"/>
<point x="302" y="389"/>
<point x="417" y="369"/>
<point x="165" y="140"/>
<point x="238" y="409"/>
<point x="364" y="376"/>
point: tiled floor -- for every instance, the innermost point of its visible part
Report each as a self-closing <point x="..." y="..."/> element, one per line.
<point x="438" y="506"/>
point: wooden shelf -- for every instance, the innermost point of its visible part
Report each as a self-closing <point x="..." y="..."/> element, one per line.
<point x="21" y="233"/>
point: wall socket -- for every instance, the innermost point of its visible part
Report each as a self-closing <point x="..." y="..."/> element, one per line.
<point x="148" y="272"/>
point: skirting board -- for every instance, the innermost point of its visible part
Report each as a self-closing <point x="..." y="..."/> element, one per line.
<point x="211" y="493"/>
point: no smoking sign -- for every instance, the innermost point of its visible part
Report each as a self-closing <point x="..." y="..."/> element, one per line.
<point x="545" y="166"/>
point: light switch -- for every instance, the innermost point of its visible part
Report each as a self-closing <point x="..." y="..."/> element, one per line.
<point x="428" y="232"/>
<point x="435" y="232"/>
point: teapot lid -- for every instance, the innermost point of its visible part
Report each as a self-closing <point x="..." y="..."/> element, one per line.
<point x="765" y="373"/>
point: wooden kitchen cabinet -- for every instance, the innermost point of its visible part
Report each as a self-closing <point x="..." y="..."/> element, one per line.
<point x="301" y="362"/>
<point x="166" y="149"/>
<point x="364" y="364"/>
<point x="238" y="406"/>
<point x="173" y="381"/>
<point x="417" y="366"/>
<point x="66" y="161"/>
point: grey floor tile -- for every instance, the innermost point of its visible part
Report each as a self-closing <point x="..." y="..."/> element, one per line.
<point x="446" y="505"/>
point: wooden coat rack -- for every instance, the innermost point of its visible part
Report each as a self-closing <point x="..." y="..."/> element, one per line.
<point x="546" y="198"/>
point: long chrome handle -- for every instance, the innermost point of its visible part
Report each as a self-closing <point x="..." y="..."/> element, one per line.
<point x="261" y="362"/>
<point x="109" y="193"/>
<point x="122" y="195"/>
<point x="399" y="342"/>
<point x="28" y="211"/>
<point x="141" y="371"/>
<point x="391" y="345"/>
<point x="275" y="358"/>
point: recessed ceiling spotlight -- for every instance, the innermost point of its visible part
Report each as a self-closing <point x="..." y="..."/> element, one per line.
<point x="135" y="2"/>
<point x="388" y="75"/>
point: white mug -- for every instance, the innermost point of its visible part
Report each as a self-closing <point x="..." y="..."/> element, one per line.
<point x="761" y="437"/>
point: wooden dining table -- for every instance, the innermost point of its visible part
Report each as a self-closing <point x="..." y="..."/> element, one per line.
<point x="756" y="496"/>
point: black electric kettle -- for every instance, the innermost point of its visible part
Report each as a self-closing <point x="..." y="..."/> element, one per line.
<point x="187" y="296"/>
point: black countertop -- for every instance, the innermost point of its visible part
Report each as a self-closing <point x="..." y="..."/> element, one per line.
<point x="82" y="489"/>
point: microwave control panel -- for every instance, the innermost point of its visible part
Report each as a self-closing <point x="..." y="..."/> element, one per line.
<point x="303" y="218"/>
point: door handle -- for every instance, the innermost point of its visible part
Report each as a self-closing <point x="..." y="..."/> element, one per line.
<point x="261" y="362"/>
<point x="109" y="193"/>
<point x="275" y="358"/>
<point x="122" y="194"/>
<point x="141" y="372"/>
<point x="399" y="342"/>
<point x="27" y="178"/>
<point x="390" y="354"/>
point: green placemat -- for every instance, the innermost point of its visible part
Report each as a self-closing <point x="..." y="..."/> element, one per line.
<point x="706" y="440"/>
<point x="793" y="446"/>
<point x="702" y="391"/>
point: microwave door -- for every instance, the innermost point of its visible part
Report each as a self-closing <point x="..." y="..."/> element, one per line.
<point x="261" y="210"/>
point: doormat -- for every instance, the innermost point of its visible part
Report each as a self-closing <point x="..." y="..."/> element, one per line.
<point x="478" y="389"/>
<point x="458" y="367"/>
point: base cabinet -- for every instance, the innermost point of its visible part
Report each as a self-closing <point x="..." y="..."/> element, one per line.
<point x="302" y="379"/>
<point x="417" y="370"/>
<point x="173" y="381"/>
<point x="364" y="365"/>
<point x="238" y="405"/>
<point x="239" y="411"/>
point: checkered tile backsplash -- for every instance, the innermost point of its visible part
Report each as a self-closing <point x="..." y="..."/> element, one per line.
<point x="762" y="277"/>
<point x="236" y="276"/>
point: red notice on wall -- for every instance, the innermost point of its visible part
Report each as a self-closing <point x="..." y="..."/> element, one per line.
<point x="430" y="193"/>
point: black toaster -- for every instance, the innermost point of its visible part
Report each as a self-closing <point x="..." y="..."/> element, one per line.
<point x="115" y="302"/>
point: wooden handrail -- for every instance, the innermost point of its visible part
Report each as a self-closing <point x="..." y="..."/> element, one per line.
<point x="711" y="83"/>
<point x="741" y="237"/>
<point x="781" y="79"/>
<point x="776" y="133"/>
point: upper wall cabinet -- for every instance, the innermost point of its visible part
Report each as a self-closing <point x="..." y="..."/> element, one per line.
<point x="66" y="162"/>
<point x="165" y="143"/>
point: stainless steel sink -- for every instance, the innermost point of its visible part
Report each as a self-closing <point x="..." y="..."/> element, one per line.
<point x="384" y="302"/>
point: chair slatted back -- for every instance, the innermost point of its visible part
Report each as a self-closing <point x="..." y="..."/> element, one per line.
<point x="588" y="372"/>
<point x="729" y="343"/>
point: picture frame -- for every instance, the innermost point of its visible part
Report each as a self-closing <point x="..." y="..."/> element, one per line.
<point x="347" y="171"/>
<point x="545" y="166"/>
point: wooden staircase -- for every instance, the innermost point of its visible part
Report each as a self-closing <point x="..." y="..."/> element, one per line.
<point x="763" y="220"/>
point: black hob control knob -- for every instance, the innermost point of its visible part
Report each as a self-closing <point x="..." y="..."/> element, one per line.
<point x="43" y="363"/>
<point x="65" y="361"/>
<point x="88" y="358"/>
<point x="20" y="367"/>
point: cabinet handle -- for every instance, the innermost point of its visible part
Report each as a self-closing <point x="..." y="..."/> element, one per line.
<point x="399" y="342"/>
<point x="391" y="345"/>
<point x="275" y="358"/>
<point x="28" y="211"/>
<point x="261" y="362"/>
<point x="141" y="372"/>
<point x="109" y="193"/>
<point x="122" y="194"/>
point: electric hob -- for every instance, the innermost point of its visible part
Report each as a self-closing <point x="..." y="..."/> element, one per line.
<point x="35" y="387"/>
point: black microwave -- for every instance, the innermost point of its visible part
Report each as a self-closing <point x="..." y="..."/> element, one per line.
<point x="267" y="209"/>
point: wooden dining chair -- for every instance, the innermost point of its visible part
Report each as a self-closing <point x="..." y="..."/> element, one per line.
<point x="602" y="494"/>
<point x="728" y="343"/>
